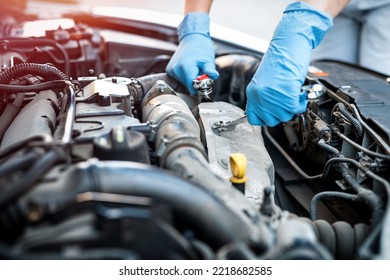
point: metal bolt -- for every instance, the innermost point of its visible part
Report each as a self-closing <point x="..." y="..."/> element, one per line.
<point x="203" y="84"/>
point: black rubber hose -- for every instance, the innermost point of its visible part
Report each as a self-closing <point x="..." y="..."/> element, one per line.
<point x="212" y="221"/>
<point x="385" y="223"/>
<point x="321" y="195"/>
<point x="345" y="240"/>
<point x="33" y="88"/>
<point x="341" y="239"/>
<point x="358" y="126"/>
<point x="321" y="143"/>
<point x="364" y="195"/>
<point x="23" y="144"/>
<point x="46" y="71"/>
<point x="84" y="254"/>
<point x="325" y="234"/>
<point x="17" y="163"/>
<point x="372" y="200"/>
<point x="367" y="196"/>
<point x="332" y="161"/>
<point x="303" y="253"/>
<point x="38" y="169"/>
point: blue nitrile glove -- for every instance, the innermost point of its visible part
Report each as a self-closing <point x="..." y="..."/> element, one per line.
<point x="195" y="55"/>
<point x="274" y="93"/>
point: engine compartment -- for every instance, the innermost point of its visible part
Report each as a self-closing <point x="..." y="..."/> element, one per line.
<point x="104" y="156"/>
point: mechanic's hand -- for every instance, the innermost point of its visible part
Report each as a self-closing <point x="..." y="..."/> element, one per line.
<point x="274" y="93"/>
<point x="195" y="55"/>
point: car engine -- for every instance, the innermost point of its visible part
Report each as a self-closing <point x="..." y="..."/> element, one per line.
<point x="104" y="156"/>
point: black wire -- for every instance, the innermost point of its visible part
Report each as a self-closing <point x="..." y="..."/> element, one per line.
<point x="361" y="148"/>
<point x="21" y="144"/>
<point x="38" y="169"/>
<point x="366" y="195"/>
<point x="34" y="88"/>
<point x="348" y="115"/>
<point x="321" y="195"/>
<point x="376" y="137"/>
<point x="102" y="253"/>
<point x="18" y="163"/>
<point x="21" y="42"/>
<point x="321" y="143"/>
<point x="288" y="158"/>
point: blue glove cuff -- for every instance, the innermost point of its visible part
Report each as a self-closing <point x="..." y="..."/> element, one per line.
<point x="320" y="22"/>
<point x="194" y="23"/>
<point x="274" y="94"/>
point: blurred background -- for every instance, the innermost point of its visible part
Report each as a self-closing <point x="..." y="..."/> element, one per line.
<point x="255" y="17"/>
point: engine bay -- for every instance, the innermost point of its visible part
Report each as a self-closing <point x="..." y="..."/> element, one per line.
<point x="104" y="156"/>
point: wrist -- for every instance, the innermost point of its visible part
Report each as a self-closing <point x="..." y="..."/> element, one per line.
<point x="306" y="6"/>
<point x="194" y="23"/>
<point x="197" y="6"/>
<point x="301" y="17"/>
<point x="333" y="8"/>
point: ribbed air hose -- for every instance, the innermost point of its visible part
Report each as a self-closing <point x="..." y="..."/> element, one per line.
<point x="340" y="238"/>
<point x="46" y="71"/>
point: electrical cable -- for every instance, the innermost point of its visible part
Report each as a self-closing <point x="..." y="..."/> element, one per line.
<point x="321" y="195"/>
<point x="18" y="163"/>
<point x="21" y="42"/>
<point x="348" y="115"/>
<point x="46" y="71"/>
<point x="361" y="148"/>
<point x="34" y="88"/>
<point x="288" y="158"/>
<point x="38" y="169"/>
<point x="377" y="138"/>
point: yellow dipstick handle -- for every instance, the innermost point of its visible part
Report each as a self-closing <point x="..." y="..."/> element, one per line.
<point x="238" y="164"/>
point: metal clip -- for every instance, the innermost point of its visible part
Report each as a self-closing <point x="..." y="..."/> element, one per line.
<point x="226" y="126"/>
<point x="203" y="85"/>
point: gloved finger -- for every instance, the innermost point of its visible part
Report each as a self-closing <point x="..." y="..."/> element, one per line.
<point x="257" y="115"/>
<point x="282" y="115"/>
<point x="188" y="74"/>
<point x="271" y="116"/>
<point x="276" y="104"/>
<point x="296" y="105"/>
<point x="268" y="118"/>
<point x="253" y="119"/>
<point x="209" y="69"/>
<point x="303" y="96"/>
<point x="184" y="73"/>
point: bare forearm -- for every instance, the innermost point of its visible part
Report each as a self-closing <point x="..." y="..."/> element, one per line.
<point x="197" y="6"/>
<point x="332" y="7"/>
